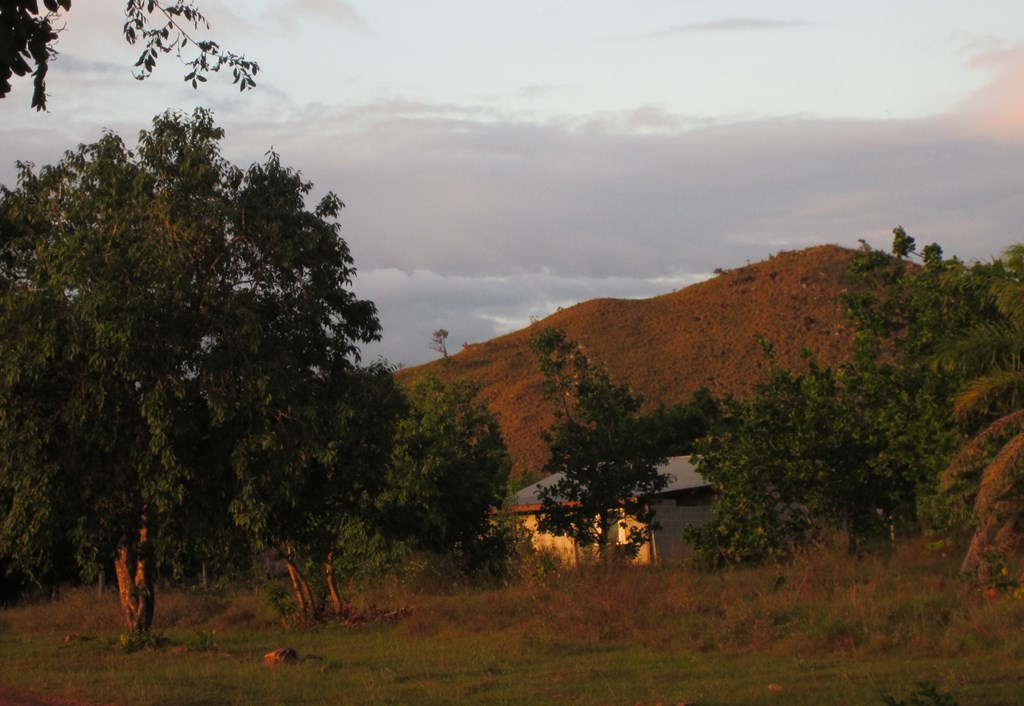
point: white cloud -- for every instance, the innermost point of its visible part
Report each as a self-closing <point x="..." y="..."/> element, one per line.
<point x="997" y="110"/>
<point x="733" y="24"/>
<point x="295" y="13"/>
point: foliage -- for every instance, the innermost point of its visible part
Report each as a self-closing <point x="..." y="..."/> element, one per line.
<point x="989" y="470"/>
<point x="439" y="342"/>
<point x="804" y="455"/>
<point x="674" y="429"/>
<point x="364" y="551"/>
<point x="26" y="34"/>
<point x="905" y="335"/>
<point x="909" y="313"/>
<point x="926" y="694"/>
<point x="179" y="346"/>
<point x="30" y="34"/>
<point x="307" y="498"/>
<point x="171" y="36"/>
<point x="136" y="640"/>
<point x="206" y="640"/>
<point x="859" y="446"/>
<point x="448" y="472"/>
<point x="282" y="602"/>
<point x="601" y="444"/>
<point x="973" y="379"/>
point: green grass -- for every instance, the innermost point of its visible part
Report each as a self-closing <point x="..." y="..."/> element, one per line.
<point x="821" y="630"/>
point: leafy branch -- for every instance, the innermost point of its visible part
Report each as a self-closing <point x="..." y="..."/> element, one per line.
<point x="25" y="34"/>
<point x="173" y="36"/>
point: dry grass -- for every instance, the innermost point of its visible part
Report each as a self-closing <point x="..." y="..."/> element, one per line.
<point x="907" y="597"/>
<point x="828" y="627"/>
<point x="82" y="611"/>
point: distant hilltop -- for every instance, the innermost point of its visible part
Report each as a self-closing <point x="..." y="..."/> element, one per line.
<point x="668" y="347"/>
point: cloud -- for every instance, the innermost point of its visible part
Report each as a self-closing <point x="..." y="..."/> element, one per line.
<point x="733" y="24"/>
<point x="997" y="110"/>
<point x="474" y="219"/>
<point x="89" y="68"/>
<point x="476" y="225"/>
<point x="318" y="12"/>
<point x="540" y="91"/>
<point x="455" y="195"/>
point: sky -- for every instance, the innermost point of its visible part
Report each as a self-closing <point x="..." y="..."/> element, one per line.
<point x="499" y="160"/>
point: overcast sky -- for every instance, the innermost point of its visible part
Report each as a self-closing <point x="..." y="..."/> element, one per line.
<point x="501" y="159"/>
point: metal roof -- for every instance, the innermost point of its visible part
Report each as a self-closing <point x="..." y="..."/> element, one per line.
<point x="681" y="474"/>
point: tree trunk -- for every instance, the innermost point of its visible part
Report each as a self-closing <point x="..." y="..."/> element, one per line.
<point x="852" y="545"/>
<point x="338" y="604"/>
<point x="603" y="528"/>
<point x="303" y="596"/>
<point x="133" y="567"/>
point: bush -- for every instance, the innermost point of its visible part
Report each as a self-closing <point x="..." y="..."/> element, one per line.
<point x="925" y="695"/>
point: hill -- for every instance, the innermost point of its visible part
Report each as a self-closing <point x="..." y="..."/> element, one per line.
<point x="668" y="347"/>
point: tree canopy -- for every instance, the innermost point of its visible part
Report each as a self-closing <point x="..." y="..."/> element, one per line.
<point x="448" y="472"/>
<point x="804" y="454"/>
<point x="28" y="35"/>
<point x="602" y="445"/>
<point x="857" y="447"/>
<point x="179" y="345"/>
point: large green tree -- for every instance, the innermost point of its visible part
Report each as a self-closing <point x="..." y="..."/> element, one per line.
<point x="858" y="447"/>
<point x="178" y="337"/>
<point x="28" y="36"/>
<point x="448" y="473"/>
<point x="803" y="455"/>
<point x="321" y="479"/>
<point x="603" y="446"/>
<point x="910" y="320"/>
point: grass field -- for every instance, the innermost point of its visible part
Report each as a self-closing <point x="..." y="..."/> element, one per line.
<point x="824" y="629"/>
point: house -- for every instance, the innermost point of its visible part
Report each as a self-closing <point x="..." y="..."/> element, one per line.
<point x="685" y="500"/>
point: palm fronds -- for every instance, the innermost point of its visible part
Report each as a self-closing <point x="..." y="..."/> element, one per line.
<point x="996" y="350"/>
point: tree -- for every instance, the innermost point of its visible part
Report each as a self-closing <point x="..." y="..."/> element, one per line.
<point x="179" y="339"/>
<point x="439" y="342"/>
<point x="675" y="429"/>
<point x="600" y="442"/>
<point x="989" y="470"/>
<point x="907" y="316"/>
<point x="909" y="312"/>
<point x="858" y="447"/>
<point x="803" y="454"/>
<point x="28" y="34"/>
<point x="449" y="471"/>
<point x="322" y="484"/>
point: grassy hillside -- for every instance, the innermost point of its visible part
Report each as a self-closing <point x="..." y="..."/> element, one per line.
<point x="668" y="347"/>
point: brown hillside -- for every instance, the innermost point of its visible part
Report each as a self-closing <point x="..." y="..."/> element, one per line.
<point x="668" y="347"/>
